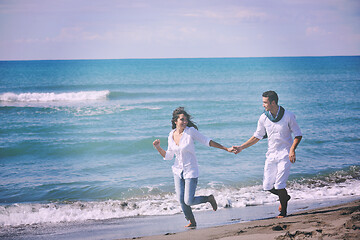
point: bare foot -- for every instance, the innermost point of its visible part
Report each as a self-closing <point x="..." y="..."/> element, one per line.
<point x="280" y="216"/>
<point x="191" y="225"/>
<point x="212" y="201"/>
<point x="280" y="208"/>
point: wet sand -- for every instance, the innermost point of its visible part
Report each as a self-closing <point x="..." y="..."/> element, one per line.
<point x="335" y="222"/>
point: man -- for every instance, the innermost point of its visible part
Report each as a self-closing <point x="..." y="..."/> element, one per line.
<point x="278" y="125"/>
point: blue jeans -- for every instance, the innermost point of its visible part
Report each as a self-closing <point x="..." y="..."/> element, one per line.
<point x="185" y="194"/>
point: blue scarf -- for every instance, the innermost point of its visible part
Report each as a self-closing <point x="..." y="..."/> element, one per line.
<point x="271" y="117"/>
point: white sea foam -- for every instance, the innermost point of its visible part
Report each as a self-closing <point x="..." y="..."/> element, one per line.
<point x="54" y="97"/>
<point x="165" y="204"/>
<point x="101" y="110"/>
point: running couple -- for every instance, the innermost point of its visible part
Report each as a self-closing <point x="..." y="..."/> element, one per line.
<point x="276" y="124"/>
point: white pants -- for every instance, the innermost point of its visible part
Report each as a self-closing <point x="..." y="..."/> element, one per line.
<point x="276" y="173"/>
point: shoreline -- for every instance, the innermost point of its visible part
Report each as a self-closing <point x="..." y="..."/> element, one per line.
<point x="341" y="221"/>
<point x="320" y="218"/>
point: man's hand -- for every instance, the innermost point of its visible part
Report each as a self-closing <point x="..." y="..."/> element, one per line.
<point x="236" y="149"/>
<point x="292" y="156"/>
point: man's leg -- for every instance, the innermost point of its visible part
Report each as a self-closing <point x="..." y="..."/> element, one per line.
<point x="270" y="173"/>
<point x="274" y="191"/>
<point x="284" y="198"/>
<point x="282" y="176"/>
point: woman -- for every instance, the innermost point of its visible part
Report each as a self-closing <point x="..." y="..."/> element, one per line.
<point x="185" y="168"/>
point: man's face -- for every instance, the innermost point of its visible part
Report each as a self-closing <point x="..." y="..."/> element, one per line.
<point x="267" y="105"/>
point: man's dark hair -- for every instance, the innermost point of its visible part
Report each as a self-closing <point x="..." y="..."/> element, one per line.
<point x="272" y="95"/>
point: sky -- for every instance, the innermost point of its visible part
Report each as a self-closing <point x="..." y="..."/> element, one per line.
<point x="122" y="29"/>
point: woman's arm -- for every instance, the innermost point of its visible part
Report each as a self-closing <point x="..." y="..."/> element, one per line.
<point x="217" y="145"/>
<point x="156" y="144"/>
<point x="205" y="140"/>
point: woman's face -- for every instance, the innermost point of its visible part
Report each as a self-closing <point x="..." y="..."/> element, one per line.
<point x="181" y="122"/>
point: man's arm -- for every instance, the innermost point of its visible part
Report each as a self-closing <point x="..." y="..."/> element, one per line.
<point x="292" y="155"/>
<point x="248" y="143"/>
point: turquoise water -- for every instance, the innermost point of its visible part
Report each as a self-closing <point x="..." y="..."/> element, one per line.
<point x="76" y="136"/>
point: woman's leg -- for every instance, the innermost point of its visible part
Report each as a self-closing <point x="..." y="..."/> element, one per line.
<point x="190" y="199"/>
<point x="190" y="188"/>
<point x="180" y="192"/>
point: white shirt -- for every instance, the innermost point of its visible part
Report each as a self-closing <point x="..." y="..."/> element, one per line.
<point x="185" y="159"/>
<point x="279" y="134"/>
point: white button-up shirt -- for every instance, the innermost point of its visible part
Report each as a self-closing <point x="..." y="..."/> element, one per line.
<point x="185" y="159"/>
<point x="279" y="134"/>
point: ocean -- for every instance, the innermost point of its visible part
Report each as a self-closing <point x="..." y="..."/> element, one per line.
<point x="76" y="135"/>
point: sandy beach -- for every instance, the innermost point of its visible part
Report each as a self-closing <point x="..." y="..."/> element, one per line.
<point x="335" y="222"/>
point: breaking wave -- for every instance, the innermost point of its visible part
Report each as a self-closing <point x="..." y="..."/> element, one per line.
<point x="54" y="97"/>
<point x="340" y="184"/>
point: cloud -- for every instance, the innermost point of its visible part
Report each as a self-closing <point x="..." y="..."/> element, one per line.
<point x="201" y="28"/>
<point x="312" y="30"/>
<point x="188" y="30"/>
<point x="316" y="30"/>
<point x="236" y="13"/>
<point x="71" y="34"/>
<point x="249" y="14"/>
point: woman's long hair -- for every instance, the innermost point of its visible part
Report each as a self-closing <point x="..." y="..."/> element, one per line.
<point x="176" y="113"/>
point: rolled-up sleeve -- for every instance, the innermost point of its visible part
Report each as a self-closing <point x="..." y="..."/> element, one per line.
<point x="199" y="137"/>
<point x="294" y="127"/>
<point x="169" y="155"/>
<point x="260" y="130"/>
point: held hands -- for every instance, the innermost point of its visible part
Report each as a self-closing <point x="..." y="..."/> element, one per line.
<point x="235" y="149"/>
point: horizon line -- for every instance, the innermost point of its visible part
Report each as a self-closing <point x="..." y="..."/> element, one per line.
<point x="168" y="58"/>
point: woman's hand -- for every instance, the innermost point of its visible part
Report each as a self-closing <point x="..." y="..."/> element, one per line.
<point x="230" y="150"/>
<point x="156" y="143"/>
